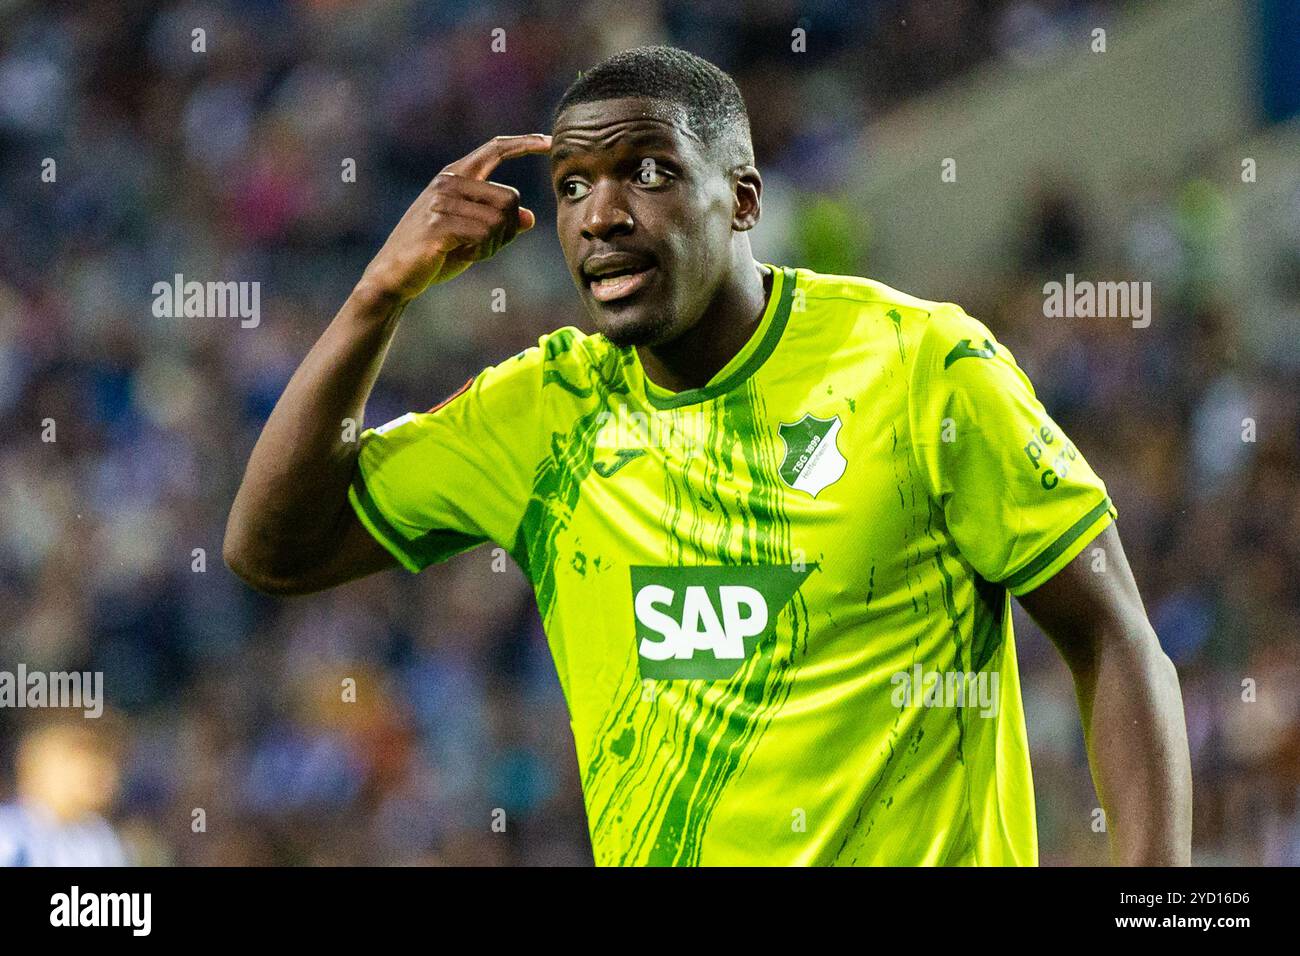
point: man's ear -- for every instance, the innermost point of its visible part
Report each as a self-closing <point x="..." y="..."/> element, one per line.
<point x="747" y="189"/>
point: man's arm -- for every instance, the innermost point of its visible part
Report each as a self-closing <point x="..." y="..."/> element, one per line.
<point x="291" y="529"/>
<point x="1129" y="701"/>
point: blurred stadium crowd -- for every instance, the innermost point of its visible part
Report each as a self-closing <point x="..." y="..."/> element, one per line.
<point x="226" y="165"/>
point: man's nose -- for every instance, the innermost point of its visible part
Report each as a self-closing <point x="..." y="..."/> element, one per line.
<point x="606" y="213"/>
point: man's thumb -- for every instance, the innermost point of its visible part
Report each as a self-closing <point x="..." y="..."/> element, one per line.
<point x="526" y="219"/>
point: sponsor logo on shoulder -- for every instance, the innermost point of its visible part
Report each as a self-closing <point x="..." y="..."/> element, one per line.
<point x="963" y="350"/>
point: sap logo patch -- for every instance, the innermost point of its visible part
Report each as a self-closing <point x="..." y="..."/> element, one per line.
<point x="696" y="623"/>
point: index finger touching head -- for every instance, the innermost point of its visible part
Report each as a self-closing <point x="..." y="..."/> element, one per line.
<point x="481" y="162"/>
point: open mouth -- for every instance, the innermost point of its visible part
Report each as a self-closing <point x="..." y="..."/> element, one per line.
<point x="619" y="285"/>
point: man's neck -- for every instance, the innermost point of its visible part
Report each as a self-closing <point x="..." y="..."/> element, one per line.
<point x="692" y="359"/>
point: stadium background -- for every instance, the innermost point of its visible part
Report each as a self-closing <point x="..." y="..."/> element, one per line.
<point x="226" y="165"/>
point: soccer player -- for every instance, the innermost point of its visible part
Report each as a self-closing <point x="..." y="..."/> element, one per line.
<point x="773" y="518"/>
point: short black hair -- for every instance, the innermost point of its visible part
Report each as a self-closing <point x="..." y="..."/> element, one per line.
<point x="707" y="96"/>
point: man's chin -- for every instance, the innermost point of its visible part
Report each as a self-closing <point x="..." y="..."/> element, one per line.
<point x="632" y="330"/>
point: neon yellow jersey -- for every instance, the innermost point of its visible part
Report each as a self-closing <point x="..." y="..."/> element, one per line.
<point x="778" y="604"/>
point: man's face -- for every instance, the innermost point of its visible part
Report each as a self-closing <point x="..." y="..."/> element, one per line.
<point x="644" y="215"/>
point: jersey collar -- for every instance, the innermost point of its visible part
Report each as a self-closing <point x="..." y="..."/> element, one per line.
<point x="744" y="363"/>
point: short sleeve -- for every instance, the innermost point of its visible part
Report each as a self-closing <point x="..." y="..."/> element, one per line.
<point x="1017" y="496"/>
<point x="433" y="484"/>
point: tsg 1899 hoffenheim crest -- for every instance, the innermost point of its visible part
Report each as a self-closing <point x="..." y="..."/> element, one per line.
<point x="812" y="459"/>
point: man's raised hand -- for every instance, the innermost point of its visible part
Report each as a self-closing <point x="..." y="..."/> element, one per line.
<point x="460" y="218"/>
